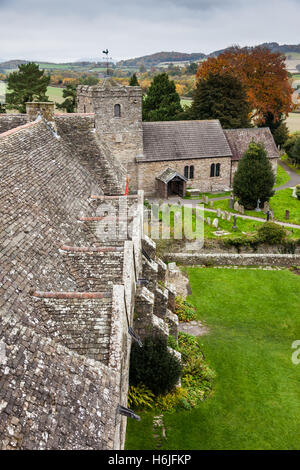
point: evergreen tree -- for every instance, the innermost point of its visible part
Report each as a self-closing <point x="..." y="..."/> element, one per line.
<point x="221" y="97"/>
<point x="133" y="80"/>
<point x="295" y="153"/>
<point x="254" y="178"/>
<point x="70" y="95"/>
<point x="28" y="84"/>
<point x="281" y="134"/>
<point x="162" y="102"/>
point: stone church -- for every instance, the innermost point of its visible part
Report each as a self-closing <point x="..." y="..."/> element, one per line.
<point x="165" y="158"/>
<point x="73" y="297"/>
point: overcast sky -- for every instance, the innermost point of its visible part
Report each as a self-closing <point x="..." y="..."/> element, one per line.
<point x="61" y="30"/>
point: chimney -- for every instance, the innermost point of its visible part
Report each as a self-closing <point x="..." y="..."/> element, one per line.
<point x="44" y="109"/>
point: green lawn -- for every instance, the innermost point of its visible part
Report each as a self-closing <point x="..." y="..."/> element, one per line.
<point x="253" y="318"/>
<point x="282" y="176"/>
<point x="282" y="201"/>
<point x="55" y="94"/>
<point x="286" y="160"/>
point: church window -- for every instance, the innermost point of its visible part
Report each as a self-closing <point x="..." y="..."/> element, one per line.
<point x="218" y="166"/>
<point x="117" y="110"/>
<point x="212" y="170"/>
<point x="192" y="172"/>
<point x="186" y="171"/>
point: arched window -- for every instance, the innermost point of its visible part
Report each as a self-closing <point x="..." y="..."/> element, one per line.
<point x="212" y="170"/>
<point x="192" y="172"/>
<point x="186" y="171"/>
<point x="117" y="110"/>
<point x="218" y="166"/>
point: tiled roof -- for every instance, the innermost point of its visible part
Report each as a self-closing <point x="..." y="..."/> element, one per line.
<point x="169" y="174"/>
<point x="54" y="395"/>
<point x="181" y="140"/>
<point x="239" y="140"/>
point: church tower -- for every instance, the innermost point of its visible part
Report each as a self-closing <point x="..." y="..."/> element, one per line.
<point x="118" y="121"/>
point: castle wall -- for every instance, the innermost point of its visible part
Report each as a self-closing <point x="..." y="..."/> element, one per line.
<point x="147" y="173"/>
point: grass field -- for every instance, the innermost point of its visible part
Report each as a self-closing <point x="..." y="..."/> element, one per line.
<point x="253" y="318"/>
<point x="293" y="122"/>
<point x="282" y="177"/>
<point x="282" y="201"/>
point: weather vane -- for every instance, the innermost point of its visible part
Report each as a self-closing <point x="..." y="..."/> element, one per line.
<point x="107" y="62"/>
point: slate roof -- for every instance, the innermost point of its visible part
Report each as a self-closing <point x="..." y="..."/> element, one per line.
<point x="182" y="140"/>
<point x="169" y="174"/>
<point x="239" y="140"/>
<point x="51" y="396"/>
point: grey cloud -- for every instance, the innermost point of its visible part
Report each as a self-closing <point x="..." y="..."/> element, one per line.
<point x="71" y="29"/>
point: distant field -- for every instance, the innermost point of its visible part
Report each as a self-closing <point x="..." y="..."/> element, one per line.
<point x="186" y="102"/>
<point x="293" y="122"/>
<point x="293" y="55"/>
<point x="2" y="92"/>
<point x="54" y="93"/>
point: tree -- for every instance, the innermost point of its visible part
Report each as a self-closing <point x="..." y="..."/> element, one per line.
<point x="192" y="68"/>
<point x="90" y="81"/>
<point x="133" y="80"/>
<point x="29" y="83"/>
<point x="289" y="144"/>
<point x="295" y="153"/>
<point x="70" y="95"/>
<point x="2" y="108"/>
<point x="154" y="365"/>
<point x="162" y="102"/>
<point x="254" y="178"/>
<point x="221" y="97"/>
<point x="281" y="134"/>
<point x="264" y="75"/>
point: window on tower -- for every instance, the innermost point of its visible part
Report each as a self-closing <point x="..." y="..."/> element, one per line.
<point x="117" y="110"/>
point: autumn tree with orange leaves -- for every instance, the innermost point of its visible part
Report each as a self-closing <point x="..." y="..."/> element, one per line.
<point x="264" y="75"/>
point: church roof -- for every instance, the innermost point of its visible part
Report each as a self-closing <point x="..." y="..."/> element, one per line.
<point x="239" y="140"/>
<point x="183" y="140"/>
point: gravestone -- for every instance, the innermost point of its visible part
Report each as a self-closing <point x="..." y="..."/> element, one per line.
<point x="208" y="221"/>
<point x="231" y="203"/>
<point x="228" y="217"/>
<point x="216" y="223"/>
<point x="287" y="215"/>
<point x="218" y="212"/>
<point x="236" y="206"/>
<point x="206" y="200"/>
<point x="223" y="215"/>
<point x="266" y="207"/>
<point x="242" y="209"/>
<point x="211" y="203"/>
<point x="271" y="214"/>
<point x="294" y="191"/>
<point x="234" y="223"/>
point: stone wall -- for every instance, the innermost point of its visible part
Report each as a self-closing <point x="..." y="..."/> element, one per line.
<point x="222" y="259"/>
<point x="147" y="173"/>
<point x="11" y="121"/>
<point x="122" y="134"/>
